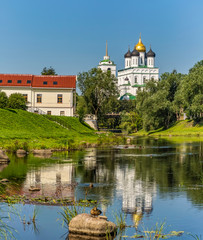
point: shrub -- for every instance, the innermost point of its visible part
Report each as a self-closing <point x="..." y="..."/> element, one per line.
<point x="17" y="101"/>
<point x="3" y="100"/>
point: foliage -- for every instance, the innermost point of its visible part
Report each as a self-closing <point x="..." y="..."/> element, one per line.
<point x="70" y="212"/>
<point x="126" y="105"/>
<point x="120" y="220"/>
<point x="195" y="236"/>
<point x="17" y="101"/>
<point x="81" y="108"/>
<point x="48" y="71"/>
<point x="3" y="100"/>
<point x="156" y="101"/>
<point x="131" y="122"/>
<point x="190" y="92"/>
<point x="98" y="89"/>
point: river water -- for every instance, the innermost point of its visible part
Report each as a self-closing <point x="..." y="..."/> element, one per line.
<point x="151" y="182"/>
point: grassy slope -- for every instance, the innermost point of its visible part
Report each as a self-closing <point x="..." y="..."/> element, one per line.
<point x="180" y="128"/>
<point x="22" y="125"/>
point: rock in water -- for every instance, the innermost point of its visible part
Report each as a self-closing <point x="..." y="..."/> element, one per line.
<point x="85" y="224"/>
<point x="3" y="157"/>
<point x="86" y="237"/>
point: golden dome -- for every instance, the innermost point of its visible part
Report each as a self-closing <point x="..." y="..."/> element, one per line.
<point x="140" y="47"/>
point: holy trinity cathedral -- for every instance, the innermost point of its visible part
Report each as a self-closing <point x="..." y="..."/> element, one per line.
<point x="139" y="68"/>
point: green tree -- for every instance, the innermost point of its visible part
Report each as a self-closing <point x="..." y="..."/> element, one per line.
<point x="48" y="71"/>
<point x="81" y="107"/>
<point x="156" y="101"/>
<point x="17" y="101"/>
<point x="131" y="122"/>
<point x="190" y="92"/>
<point x="98" y="89"/>
<point x="3" y="100"/>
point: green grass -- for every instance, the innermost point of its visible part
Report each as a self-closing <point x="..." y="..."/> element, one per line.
<point x="22" y="129"/>
<point x="180" y="128"/>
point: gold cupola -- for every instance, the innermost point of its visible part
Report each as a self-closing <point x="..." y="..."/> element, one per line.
<point x="140" y="47"/>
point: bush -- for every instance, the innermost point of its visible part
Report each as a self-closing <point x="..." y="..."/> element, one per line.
<point x="17" y="101"/>
<point x="3" y="100"/>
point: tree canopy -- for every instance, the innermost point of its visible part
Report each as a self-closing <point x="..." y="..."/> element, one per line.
<point x="156" y="101"/>
<point x="99" y="89"/>
<point x="190" y="92"/>
<point x="48" y="71"/>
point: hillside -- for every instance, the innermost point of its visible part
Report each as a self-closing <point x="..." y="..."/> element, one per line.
<point x="180" y="128"/>
<point x="24" y="127"/>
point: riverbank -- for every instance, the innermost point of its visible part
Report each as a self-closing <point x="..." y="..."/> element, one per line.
<point x="24" y="130"/>
<point x="180" y="128"/>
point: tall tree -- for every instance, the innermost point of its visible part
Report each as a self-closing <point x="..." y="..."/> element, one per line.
<point x="48" y="71"/>
<point x="190" y="93"/>
<point x="97" y="88"/>
<point x="156" y="101"/>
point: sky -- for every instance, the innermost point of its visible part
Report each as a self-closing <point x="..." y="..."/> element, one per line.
<point x="71" y="36"/>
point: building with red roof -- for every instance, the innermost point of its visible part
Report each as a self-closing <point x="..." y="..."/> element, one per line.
<point x="46" y="94"/>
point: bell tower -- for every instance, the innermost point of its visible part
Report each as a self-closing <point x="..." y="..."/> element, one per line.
<point x="106" y="64"/>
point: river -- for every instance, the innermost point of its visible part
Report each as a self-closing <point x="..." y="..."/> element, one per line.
<point x="150" y="182"/>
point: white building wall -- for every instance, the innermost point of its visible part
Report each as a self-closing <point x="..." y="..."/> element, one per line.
<point x="104" y="68"/>
<point x="140" y="73"/>
<point x="49" y="99"/>
<point x="150" y="62"/>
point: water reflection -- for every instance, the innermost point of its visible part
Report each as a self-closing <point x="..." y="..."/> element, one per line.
<point x="54" y="181"/>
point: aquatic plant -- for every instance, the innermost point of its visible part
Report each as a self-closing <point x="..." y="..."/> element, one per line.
<point x="157" y="232"/>
<point x="6" y="232"/>
<point x="70" y="212"/>
<point x="120" y="219"/>
<point x="35" y="213"/>
<point x="196" y="237"/>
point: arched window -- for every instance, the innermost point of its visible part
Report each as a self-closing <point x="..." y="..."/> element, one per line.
<point x="108" y="69"/>
<point x="144" y="79"/>
<point x="135" y="79"/>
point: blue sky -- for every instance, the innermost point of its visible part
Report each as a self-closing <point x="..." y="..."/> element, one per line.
<point x="71" y="35"/>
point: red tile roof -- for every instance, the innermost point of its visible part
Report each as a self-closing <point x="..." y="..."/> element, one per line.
<point x="41" y="81"/>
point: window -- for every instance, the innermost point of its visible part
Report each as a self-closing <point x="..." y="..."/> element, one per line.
<point x="144" y="79"/>
<point x="62" y="113"/>
<point x="108" y="69"/>
<point x="28" y="81"/>
<point x="55" y="83"/>
<point x="25" y="96"/>
<point x="0" y="81"/>
<point x="45" y="83"/>
<point x="19" y="81"/>
<point x="9" y="81"/>
<point x="48" y="112"/>
<point x="39" y="98"/>
<point x="59" y="98"/>
<point x="135" y="79"/>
